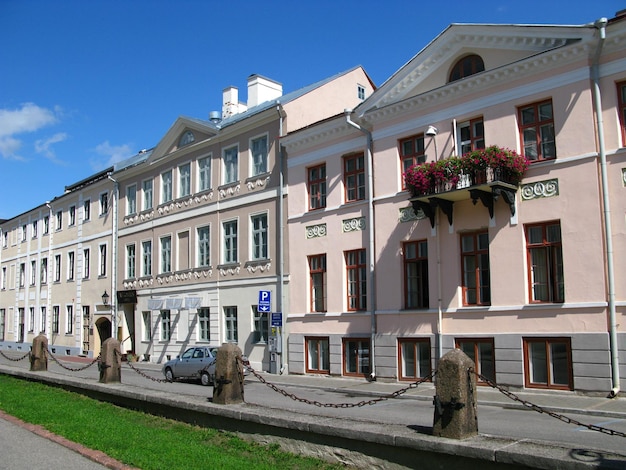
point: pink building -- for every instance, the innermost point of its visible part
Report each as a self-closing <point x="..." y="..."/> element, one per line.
<point x="522" y="276"/>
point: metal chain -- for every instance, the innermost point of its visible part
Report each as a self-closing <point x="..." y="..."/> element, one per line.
<point x="373" y="401"/>
<point x="540" y="409"/>
<point x="143" y="374"/>
<point x="14" y="359"/>
<point x="73" y="369"/>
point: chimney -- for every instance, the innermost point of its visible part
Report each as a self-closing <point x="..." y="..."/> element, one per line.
<point x="230" y="101"/>
<point x="261" y="89"/>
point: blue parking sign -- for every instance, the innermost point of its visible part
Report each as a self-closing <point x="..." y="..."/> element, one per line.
<point x="265" y="301"/>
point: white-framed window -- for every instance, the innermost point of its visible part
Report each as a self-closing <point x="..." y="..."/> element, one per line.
<point x="22" y="274"/>
<point x="261" y="325"/>
<point x="87" y="209"/>
<point x="166" y="186"/>
<point x="130" y="261"/>
<point x="69" y="328"/>
<point x="35" y="227"/>
<point x="70" y="266"/>
<point x="46" y="225"/>
<point x="258" y="149"/>
<point x="33" y="272"/>
<point x="166" y="254"/>
<point x="56" y="313"/>
<point x="5" y="239"/>
<point x="72" y="216"/>
<point x="102" y="260"/>
<point x="131" y="199"/>
<point x="184" y="180"/>
<point x="166" y="326"/>
<point x="203" y="324"/>
<point x="57" y="268"/>
<point x="146" y="333"/>
<point x="204" y="246"/>
<point x="258" y="226"/>
<point x="24" y="232"/>
<point x="229" y="235"/>
<point x="31" y="319"/>
<point x="43" y="275"/>
<point x="147" y="194"/>
<point x="3" y="314"/>
<point x="4" y="278"/>
<point x="104" y="204"/>
<point x="43" y="319"/>
<point x="360" y="92"/>
<point x="230" y="322"/>
<point x="204" y="173"/>
<point x="231" y="165"/>
<point x="86" y="262"/>
<point x="146" y="258"/>
<point x="59" y="216"/>
<point x="471" y="135"/>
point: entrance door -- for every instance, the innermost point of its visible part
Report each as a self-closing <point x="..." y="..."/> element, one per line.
<point x="104" y="329"/>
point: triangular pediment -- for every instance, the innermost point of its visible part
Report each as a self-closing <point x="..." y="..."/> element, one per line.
<point x="185" y="132"/>
<point x="499" y="46"/>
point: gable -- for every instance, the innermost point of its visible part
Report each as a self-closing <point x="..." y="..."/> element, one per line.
<point x="184" y="133"/>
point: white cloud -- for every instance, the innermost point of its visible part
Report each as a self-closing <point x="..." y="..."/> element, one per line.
<point x="28" y="118"/>
<point x="112" y="154"/>
<point x="44" y="146"/>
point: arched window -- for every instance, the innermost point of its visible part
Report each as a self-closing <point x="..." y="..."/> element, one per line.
<point x="186" y="139"/>
<point x="466" y="66"/>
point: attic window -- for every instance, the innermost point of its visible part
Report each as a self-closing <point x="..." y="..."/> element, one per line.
<point x="186" y="139"/>
<point x="466" y="66"/>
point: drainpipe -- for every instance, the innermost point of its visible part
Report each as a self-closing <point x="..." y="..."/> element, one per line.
<point x="280" y="234"/>
<point x="370" y="228"/>
<point x="49" y="275"/>
<point x="116" y="192"/>
<point x="608" y="232"/>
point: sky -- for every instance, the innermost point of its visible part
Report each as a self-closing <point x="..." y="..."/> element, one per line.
<point x="85" y="84"/>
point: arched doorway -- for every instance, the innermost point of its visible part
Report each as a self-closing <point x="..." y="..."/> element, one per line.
<point x="103" y="326"/>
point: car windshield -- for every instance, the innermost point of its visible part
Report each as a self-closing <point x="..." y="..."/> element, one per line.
<point x="187" y="354"/>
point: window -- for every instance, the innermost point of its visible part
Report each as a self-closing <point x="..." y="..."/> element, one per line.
<point x="34" y="231"/>
<point x="536" y="124"/>
<point x="204" y="247"/>
<point x="147" y="326"/>
<point x="354" y="177"/>
<point x="412" y="152"/>
<point x="356" y="356"/>
<point x="204" y="174"/>
<point x="55" y="319"/>
<point x="621" y="94"/>
<point x="259" y="155"/>
<point x="43" y="276"/>
<point x="317" y="355"/>
<point x="4" y="278"/>
<point x="360" y="92"/>
<point x="86" y="263"/>
<point x="545" y="259"/>
<point x="24" y="231"/>
<point x="317" y="270"/>
<point x="203" y="324"/>
<point x="466" y="66"/>
<point x="261" y="325"/>
<point x="166" y="332"/>
<point x="230" y="321"/>
<point x="184" y="176"/>
<point x="481" y="351"/>
<point x="146" y="258"/>
<point x="548" y="363"/>
<point x="33" y="272"/>
<point x="22" y="274"/>
<point x="414" y="358"/>
<point x="5" y="239"/>
<point x="131" y="199"/>
<point x="230" y="241"/>
<point x="356" y="275"/>
<point x="130" y="261"/>
<point x="166" y="187"/>
<point x="147" y="194"/>
<point x="59" y="216"/>
<point x="57" y="268"/>
<point x="258" y="224"/>
<point x="231" y="165"/>
<point x="475" y="262"/>
<point x="104" y="203"/>
<point x="87" y="209"/>
<point x="103" y="261"/>
<point x="316" y="183"/>
<point x="46" y="225"/>
<point x="416" y="274"/>
<point x="471" y="135"/>
<point x="166" y="254"/>
<point x="3" y="314"/>
<point x="70" y="320"/>
<point x="186" y="139"/>
<point x="72" y="216"/>
<point x="43" y="319"/>
<point x="70" y="266"/>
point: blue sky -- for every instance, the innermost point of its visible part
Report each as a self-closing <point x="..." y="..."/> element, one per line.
<point x="84" y="84"/>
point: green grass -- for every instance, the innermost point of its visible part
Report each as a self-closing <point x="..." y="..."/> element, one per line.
<point x="139" y="439"/>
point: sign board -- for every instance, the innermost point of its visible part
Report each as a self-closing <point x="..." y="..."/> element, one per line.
<point x="277" y="319"/>
<point x="126" y="296"/>
<point x="265" y="301"/>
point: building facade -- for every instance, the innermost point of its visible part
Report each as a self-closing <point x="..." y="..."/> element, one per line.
<point x="523" y="277"/>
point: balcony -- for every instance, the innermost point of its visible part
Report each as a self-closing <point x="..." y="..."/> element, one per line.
<point x="485" y="185"/>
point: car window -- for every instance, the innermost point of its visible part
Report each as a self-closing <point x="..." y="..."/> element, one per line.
<point x="198" y="353"/>
<point x="187" y="354"/>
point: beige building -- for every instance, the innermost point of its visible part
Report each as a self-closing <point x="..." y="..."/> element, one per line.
<point x="55" y="266"/>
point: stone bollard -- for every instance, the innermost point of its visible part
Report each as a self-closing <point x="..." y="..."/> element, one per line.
<point x="228" y="381"/>
<point x="110" y="364"/>
<point x="455" y="402"/>
<point x="39" y="354"/>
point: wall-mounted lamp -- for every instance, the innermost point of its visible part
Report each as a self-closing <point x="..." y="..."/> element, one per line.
<point x="431" y="131"/>
<point x="105" y="298"/>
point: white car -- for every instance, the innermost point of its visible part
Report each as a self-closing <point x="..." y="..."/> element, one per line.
<point x="195" y="363"/>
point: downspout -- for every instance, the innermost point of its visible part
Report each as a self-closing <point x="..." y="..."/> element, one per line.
<point x="608" y="232"/>
<point x="116" y="192"/>
<point x="49" y="275"/>
<point x="370" y="228"/>
<point x="280" y="234"/>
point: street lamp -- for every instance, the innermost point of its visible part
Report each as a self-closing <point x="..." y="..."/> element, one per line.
<point x="105" y="298"/>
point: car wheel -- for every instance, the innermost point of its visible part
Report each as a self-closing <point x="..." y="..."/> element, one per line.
<point x="169" y="375"/>
<point x="206" y="379"/>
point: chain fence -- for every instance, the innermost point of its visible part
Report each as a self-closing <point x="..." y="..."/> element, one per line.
<point x="13" y="358"/>
<point x="146" y="376"/>
<point x="73" y="369"/>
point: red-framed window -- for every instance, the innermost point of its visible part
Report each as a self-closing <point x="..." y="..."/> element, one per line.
<point x="471" y="135"/>
<point x="466" y="66"/>
<point x="536" y="127"/>
<point x="356" y="356"/>
<point x="354" y="177"/>
<point x="317" y="272"/>
<point x="316" y="184"/>
<point x="482" y="352"/>
<point x="548" y="363"/>
<point x="412" y="152"/>
<point x="621" y="97"/>
<point x="356" y="278"/>
<point x="317" y="355"/>
<point x="415" y="258"/>
<point x="545" y="262"/>
<point x="414" y="358"/>
<point x="475" y="266"/>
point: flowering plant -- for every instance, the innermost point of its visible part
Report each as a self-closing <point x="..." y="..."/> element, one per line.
<point x="495" y="157"/>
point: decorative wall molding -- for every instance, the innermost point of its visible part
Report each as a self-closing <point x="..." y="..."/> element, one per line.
<point x="230" y="190"/>
<point x="315" y="231"/>
<point x="353" y="225"/>
<point x="254" y="266"/>
<point x="254" y="183"/>
<point x="407" y="214"/>
<point x="540" y="189"/>
<point x="232" y="271"/>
